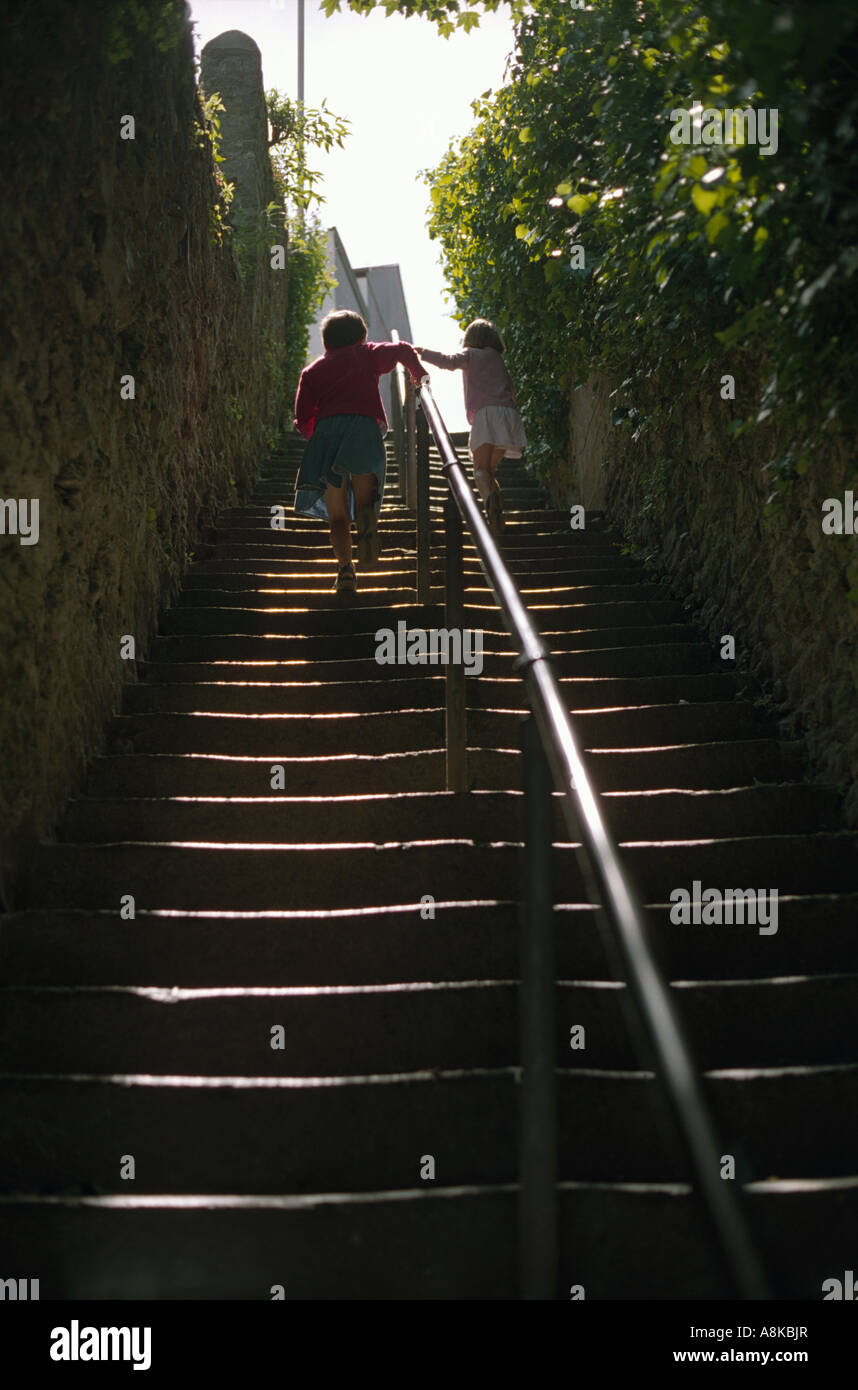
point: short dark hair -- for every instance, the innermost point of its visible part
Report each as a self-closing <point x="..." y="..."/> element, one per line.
<point x="342" y="328"/>
<point x="482" y="334"/>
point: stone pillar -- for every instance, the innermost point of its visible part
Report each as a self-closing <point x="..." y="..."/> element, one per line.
<point x="231" y="65"/>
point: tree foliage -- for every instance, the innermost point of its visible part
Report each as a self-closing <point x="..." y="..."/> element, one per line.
<point x="448" y="15"/>
<point x="698" y="259"/>
<point x="310" y="279"/>
<point x="295" y="128"/>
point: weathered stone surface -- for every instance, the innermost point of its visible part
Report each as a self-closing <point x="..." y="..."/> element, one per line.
<point x="110" y="268"/>
<point x="693" y="499"/>
<point x="231" y="65"/>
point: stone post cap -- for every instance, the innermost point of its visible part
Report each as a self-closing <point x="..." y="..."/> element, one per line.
<point x="233" y="39"/>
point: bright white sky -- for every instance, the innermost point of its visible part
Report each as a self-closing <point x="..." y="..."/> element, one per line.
<point x="407" y="93"/>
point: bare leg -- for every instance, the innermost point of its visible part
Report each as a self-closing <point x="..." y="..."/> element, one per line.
<point x="483" y="470"/>
<point x="341" y="531"/>
<point x="486" y="460"/>
<point x="365" y="488"/>
<point x="494" y="463"/>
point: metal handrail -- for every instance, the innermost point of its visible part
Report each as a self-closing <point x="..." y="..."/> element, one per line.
<point x="608" y="884"/>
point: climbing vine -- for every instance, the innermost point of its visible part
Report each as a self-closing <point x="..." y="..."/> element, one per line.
<point x="207" y="133"/>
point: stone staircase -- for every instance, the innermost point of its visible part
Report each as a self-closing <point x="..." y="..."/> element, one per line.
<point x="302" y="909"/>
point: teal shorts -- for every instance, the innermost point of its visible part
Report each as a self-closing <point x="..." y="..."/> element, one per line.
<point x="339" y="446"/>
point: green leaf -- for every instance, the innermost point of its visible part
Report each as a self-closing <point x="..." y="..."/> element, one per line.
<point x="716" y="225"/>
<point x="703" y="201"/>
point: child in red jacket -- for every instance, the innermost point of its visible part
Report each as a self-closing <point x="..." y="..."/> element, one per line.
<point x="338" y="409"/>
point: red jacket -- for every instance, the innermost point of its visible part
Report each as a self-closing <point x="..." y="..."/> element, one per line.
<point x="345" y="382"/>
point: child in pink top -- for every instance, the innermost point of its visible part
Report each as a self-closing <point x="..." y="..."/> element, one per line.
<point x="496" y="428"/>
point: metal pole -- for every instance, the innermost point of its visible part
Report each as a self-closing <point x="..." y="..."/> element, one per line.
<point x="410" y="444"/>
<point x="537" y="1211"/>
<point x="456" y="716"/>
<point x="398" y="394"/>
<point x="398" y="434"/>
<point x="424" y="578"/>
<point x="301" y="103"/>
<point x="301" y="50"/>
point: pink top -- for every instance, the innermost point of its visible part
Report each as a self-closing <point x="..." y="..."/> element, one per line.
<point x="486" y="378"/>
<point x="344" y="381"/>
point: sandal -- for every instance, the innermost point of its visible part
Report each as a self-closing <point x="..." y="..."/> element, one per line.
<point x="367" y="537"/>
<point x="494" y="509"/>
<point x="346" y="579"/>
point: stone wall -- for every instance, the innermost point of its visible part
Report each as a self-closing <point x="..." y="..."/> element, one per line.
<point x="112" y="269"/>
<point x="692" y="500"/>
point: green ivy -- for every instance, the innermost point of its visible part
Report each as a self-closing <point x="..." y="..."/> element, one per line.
<point x="126" y="21"/>
<point x="699" y="261"/>
<point x="207" y="133"/>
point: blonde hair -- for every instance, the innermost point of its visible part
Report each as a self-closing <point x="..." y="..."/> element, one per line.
<point x="482" y="334"/>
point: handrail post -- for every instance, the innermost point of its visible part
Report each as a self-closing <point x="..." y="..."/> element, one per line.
<point x="455" y="721"/>
<point x="537" y="1212"/>
<point x="396" y="390"/>
<point x="410" y="445"/>
<point x="423" y="516"/>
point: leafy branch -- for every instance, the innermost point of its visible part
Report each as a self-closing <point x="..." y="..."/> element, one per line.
<point x="296" y="128"/>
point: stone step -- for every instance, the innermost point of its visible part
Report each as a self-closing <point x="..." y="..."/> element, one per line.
<point x="233" y="876"/>
<point x="617" y="1241"/>
<point x="420" y="692"/>
<point x="278" y="819"/>
<point x="371" y="1133"/>
<point x="297" y="598"/>
<point x="308" y="551"/>
<point x="313" y="532"/>
<point x="281" y="736"/>
<point x="227" y="575"/>
<point x="279" y="490"/>
<point x="463" y="941"/>
<point x="586" y="653"/>
<point x="702" y="766"/>
<point x="255" y="521"/>
<point x="384" y="1029"/>
<point x="345" y="617"/>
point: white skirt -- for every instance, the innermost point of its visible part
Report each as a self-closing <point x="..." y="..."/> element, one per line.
<point x="501" y="426"/>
